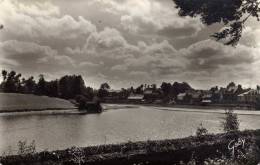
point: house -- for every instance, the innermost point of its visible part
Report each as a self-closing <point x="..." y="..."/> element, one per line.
<point x="152" y="94"/>
<point x="206" y="98"/>
<point x="180" y="97"/>
<point x="206" y="102"/>
<point x="189" y="97"/>
<point x="230" y="95"/>
<point x="249" y="97"/>
<point x="113" y="95"/>
<point x="217" y="95"/>
<point x="135" y="98"/>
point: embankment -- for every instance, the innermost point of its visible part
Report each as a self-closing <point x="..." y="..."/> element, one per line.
<point x="161" y="152"/>
<point x="15" y="102"/>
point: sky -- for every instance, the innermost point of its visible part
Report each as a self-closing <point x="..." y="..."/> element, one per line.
<point x="122" y="42"/>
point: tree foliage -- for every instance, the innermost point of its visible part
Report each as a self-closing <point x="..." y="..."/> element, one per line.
<point x="201" y="130"/>
<point x="103" y="90"/>
<point x="67" y="87"/>
<point x="231" y="122"/>
<point x="232" y="13"/>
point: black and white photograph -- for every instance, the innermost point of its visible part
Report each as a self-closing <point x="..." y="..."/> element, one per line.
<point x="129" y="82"/>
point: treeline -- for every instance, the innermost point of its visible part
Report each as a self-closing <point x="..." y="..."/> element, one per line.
<point x="168" y="89"/>
<point x="67" y="87"/>
<point x="172" y="90"/>
<point x="73" y="87"/>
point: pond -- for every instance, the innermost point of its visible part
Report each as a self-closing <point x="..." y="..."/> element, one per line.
<point x="118" y="124"/>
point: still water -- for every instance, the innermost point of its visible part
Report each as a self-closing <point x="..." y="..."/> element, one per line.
<point x="116" y="125"/>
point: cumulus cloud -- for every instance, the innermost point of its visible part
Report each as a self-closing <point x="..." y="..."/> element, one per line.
<point x="25" y="51"/>
<point x="41" y="21"/>
<point x="31" y="57"/>
<point x="138" y="48"/>
<point x="152" y="16"/>
<point x="211" y="62"/>
<point x="209" y="55"/>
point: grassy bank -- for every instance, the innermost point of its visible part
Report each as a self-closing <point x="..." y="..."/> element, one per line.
<point x="14" y="102"/>
<point x="161" y="152"/>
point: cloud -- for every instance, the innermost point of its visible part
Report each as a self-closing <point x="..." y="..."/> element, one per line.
<point x="209" y="55"/>
<point x="148" y="16"/>
<point x="210" y="63"/>
<point x="25" y="51"/>
<point x="31" y="57"/>
<point x="126" y="43"/>
<point x="41" y="21"/>
<point x="109" y="38"/>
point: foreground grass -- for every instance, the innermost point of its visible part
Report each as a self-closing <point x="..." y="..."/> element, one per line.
<point x="208" y="149"/>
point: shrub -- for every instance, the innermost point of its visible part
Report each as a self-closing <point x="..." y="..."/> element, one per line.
<point x="24" y="148"/>
<point x="77" y="155"/>
<point x="201" y="130"/>
<point x="231" y="122"/>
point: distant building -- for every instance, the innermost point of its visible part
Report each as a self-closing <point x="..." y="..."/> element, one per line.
<point x="206" y="102"/>
<point x="180" y="97"/>
<point x="135" y="98"/>
<point x="152" y="94"/>
<point x="189" y="97"/>
<point x="231" y="93"/>
<point x="206" y="98"/>
<point x="217" y="95"/>
<point x="249" y="97"/>
<point x="113" y="94"/>
<point x="196" y="97"/>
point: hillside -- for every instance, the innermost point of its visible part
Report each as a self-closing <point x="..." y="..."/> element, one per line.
<point x="21" y="102"/>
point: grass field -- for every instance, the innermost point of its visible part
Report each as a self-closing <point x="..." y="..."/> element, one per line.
<point x="23" y="102"/>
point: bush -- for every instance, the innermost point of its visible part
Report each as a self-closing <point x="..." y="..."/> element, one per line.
<point x="81" y="100"/>
<point x="77" y="155"/>
<point x="201" y="130"/>
<point x="231" y="122"/>
<point x="24" y="148"/>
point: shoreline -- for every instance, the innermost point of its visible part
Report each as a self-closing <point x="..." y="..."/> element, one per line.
<point x="156" y="152"/>
<point x="212" y="106"/>
<point x="120" y="106"/>
<point x="188" y="108"/>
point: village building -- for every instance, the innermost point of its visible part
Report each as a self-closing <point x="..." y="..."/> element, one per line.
<point x="217" y="95"/>
<point x="231" y="93"/>
<point x="189" y="97"/>
<point x="180" y="97"/>
<point x="152" y="94"/>
<point x="135" y="98"/>
<point x="249" y="97"/>
<point x="206" y="98"/>
<point x="113" y="95"/>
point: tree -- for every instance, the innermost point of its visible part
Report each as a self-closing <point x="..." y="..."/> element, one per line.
<point x="104" y="86"/>
<point x="103" y="91"/>
<point x="29" y="85"/>
<point x="10" y="83"/>
<point x="139" y="90"/>
<point x="231" y="122"/>
<point x="166" y="88"/>
<point x="178" y="88"/>
<point x="232" y="13"/>
<point x="89" y="93"/>
<point x="41" y="86"/>
<point x="70" y="86"/>
<point x="52" y="88"/>
<point x="4" y="74"/>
